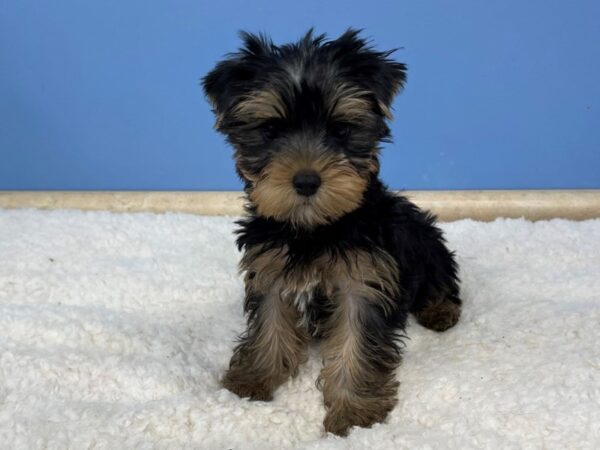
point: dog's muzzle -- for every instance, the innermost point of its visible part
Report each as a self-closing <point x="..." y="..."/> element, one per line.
<point x="306" y="182"/>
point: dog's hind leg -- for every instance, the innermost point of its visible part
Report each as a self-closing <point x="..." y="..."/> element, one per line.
<point x="437" y="303"/>
<point x="440" y="312"/>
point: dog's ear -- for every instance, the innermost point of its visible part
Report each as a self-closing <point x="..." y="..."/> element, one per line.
<point x="372" y="69"/>
<point x="233" y="77"/>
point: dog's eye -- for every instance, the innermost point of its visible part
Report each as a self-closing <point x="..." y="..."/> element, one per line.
<point x="340" y="131"/>
<point x="269" y="131"/>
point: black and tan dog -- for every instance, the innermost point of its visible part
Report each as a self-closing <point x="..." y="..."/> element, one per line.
<point x="329" y="252"/>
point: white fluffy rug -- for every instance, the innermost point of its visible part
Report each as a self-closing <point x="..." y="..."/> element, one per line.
<point x="115" y="329"/>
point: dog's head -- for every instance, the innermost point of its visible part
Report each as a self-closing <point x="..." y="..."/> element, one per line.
<point x="306" y="120"/>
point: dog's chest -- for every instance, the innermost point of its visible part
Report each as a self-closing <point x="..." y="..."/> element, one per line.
<point x="312" y="285"/>
<point x="301" y="296"/>
<point x="305" y="288"/>
<point x="299" y="284"/>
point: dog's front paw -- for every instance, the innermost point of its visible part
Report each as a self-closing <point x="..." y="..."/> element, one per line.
<point x="339" y="420"/>
<point x="246" y="386"/>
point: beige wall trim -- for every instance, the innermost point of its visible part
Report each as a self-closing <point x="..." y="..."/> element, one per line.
<point x="448" y="205"/>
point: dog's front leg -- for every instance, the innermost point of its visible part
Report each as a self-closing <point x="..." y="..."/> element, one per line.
<point x="360" y="357"/>
<point x="271" y="348"/>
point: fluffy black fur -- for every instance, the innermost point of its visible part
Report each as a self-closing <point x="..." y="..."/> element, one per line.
<point x="323" y="64"/>
<point x="326" y="102"/>
<point x="384" y="220"/>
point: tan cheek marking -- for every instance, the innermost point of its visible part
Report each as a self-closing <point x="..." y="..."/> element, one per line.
<point x="341" y="192"/>
<point x="247" y="175"/>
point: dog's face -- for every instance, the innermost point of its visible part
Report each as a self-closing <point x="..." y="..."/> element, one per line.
<point x="306" y="120"/>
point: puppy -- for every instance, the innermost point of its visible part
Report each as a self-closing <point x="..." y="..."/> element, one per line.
<point x="329" y="253"/>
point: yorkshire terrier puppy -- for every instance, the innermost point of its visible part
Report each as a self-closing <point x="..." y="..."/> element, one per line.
<point x="329" y="253"/>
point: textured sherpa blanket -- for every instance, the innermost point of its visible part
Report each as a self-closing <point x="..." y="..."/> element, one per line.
<point x="115" y="329"/>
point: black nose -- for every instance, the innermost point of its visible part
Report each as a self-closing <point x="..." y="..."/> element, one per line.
<point x="306" y="182"/>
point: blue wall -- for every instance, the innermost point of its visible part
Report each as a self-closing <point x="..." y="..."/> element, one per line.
<point x="104" y="94"/>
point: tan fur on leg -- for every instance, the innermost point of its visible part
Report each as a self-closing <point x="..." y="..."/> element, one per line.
<point x="355" y="391"/>
<point x="270" y="352"/>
